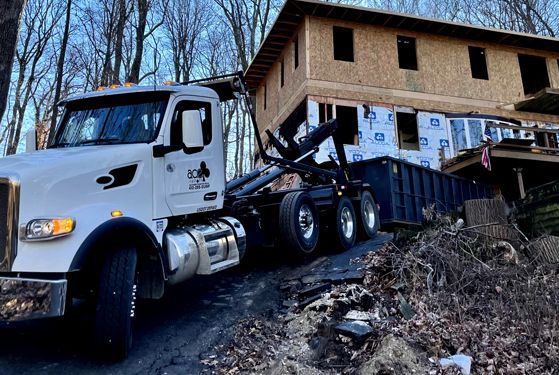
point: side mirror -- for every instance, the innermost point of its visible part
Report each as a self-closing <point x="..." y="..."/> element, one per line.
<point x="192" y="136"/>
<point x="31" y="140"/>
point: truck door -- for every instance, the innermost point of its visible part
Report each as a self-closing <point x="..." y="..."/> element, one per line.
<point x="195" y="179"/>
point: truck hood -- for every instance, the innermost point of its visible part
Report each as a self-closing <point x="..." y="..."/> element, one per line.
<point x="66" y="182"/>
<point x="67" y="161"/>
<point x="59" y="181"/>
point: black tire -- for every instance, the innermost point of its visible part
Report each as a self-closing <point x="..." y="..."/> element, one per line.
<point x="298" y="223"/>
<point x="345" y="225"/>
<point x="369" y="219"/>
<point x="116" y="296"/>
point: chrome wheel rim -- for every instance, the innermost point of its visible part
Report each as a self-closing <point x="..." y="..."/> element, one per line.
<point x="306" y="222"/>
<point x="347" y="222"/>
<point x="369" y="214"/>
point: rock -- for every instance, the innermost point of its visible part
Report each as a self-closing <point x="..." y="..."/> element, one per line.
<point x="359" y="315"/>
<point x="460" y="361"/>
<point x="357" y="329"/>
<point x="395" y="356"/>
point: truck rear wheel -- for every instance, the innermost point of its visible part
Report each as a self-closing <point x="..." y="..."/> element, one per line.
<point x="346" y="224"/>
<point x="298" y="223"/>
<point x="115" y="304"/>
<point x="369" y="221"/>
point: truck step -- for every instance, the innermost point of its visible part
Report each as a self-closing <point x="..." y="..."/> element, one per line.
<point x="220" y="266"/>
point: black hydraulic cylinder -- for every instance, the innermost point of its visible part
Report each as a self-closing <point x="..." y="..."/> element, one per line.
<point x="239" y="181"/>
<point x="260" y="182"/>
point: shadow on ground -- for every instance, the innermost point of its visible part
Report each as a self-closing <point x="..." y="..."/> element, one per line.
<point x="173" y="333"/>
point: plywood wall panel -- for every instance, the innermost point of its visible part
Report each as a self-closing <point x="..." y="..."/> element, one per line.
<point x="443" y="63"/>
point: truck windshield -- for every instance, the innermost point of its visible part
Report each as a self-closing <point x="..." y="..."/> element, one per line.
<point x="106" y="121"/>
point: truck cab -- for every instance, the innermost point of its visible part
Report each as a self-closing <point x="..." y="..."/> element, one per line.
<point x="112" y="195"/>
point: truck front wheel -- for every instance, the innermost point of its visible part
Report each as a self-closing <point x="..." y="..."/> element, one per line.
<point x="298" y="223"/>
<point x="115" y="303"/>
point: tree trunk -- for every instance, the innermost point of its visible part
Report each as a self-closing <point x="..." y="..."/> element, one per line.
<point x="143" y="8"/>
<point x="60" y="70"/>
<point x="119" y="39"/>
<point x="10" y="18"/>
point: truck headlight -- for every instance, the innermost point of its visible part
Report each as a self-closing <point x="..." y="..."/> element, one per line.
<point x="45" y="229"/>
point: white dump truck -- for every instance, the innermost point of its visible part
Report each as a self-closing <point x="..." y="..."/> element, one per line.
<point x="131" y="196"/>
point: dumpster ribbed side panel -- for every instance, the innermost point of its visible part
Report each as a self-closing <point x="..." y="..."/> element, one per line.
<point x="404" y="189"/>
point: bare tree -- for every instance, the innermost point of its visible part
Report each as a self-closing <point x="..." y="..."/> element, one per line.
<point x="39" y="22"/>
<point x="60" y="69"/>
<point x="124" y="10"/>
<point x="248" y="22"/>
<point x="184" y="23"/>
<point x="10" y="18"/>
<point x="143" y="31"/>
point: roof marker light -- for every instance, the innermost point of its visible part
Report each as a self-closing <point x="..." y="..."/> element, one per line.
<point x="117" y="213"/>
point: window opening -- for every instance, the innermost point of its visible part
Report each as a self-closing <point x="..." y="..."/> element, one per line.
<point x="458" y="131"/>
<point x="343" y="43"/>
<point x="476" y="132"/>
<point x="533" y="70"/>
<point x="478" y="63"/>
<point x="408" y="136"/>
<point x="205" y="110"/>
<point x="347" y="122"/>
<point x="407" y="56"/>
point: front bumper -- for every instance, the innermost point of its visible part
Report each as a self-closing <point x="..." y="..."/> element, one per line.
<point x="24" y="299"/>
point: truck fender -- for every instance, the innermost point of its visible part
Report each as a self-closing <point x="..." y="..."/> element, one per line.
<point x="124" y="231"/>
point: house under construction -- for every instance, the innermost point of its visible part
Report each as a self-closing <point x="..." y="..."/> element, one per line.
<point x="418" y="89"/>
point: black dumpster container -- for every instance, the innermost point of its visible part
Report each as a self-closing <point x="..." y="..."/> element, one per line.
<point x="403" y="189"/>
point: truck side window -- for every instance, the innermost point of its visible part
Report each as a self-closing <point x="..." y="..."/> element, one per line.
<point x="205" y="110"/>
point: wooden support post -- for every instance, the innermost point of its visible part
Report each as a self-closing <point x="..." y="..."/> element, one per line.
<point x="520" y="182"/>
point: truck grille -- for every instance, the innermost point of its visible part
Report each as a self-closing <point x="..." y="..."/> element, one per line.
<point x="9" y="207"/>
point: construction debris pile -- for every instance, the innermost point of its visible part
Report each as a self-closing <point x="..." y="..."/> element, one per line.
<point x="455" y="298"/>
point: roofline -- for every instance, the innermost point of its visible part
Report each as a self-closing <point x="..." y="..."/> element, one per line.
<point x="196" y="91"/>
<point x="432" y="19"/>
<point x="293" y="11"/>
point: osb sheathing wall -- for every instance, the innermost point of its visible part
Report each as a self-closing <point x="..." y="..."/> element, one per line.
<point x="281" y="101"/>
<point x="442" y="82"/>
